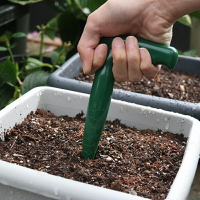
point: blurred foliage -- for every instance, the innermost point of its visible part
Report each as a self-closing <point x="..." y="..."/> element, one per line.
<point x="71" y="19"/>
<point x="191" y="53"/>
<point x="187" y="19"/>
<point x="17" y="79"/>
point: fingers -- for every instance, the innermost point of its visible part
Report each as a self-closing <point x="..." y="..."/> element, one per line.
<point x="133" y="59"/>
<point x="99" y="58"/>
<point x="88" y="42"/>
<point x="131" y="63"/>
<point x="120" y="70"/>
<point x="148" y="70"/>
<point x="86" y="53"/>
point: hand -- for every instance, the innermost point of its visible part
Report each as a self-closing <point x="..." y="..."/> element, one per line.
<point x="149" y="19"/>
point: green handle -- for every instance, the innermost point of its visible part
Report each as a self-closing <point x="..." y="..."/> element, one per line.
<point x="102" y="88"/>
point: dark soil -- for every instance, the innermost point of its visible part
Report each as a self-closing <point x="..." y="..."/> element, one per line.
<point x="168" y="84"/>
<point x="142" y="163"/>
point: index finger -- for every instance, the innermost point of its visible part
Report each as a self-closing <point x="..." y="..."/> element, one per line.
<point x="88" y="42"/>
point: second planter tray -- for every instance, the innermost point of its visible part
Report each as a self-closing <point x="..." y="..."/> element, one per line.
<point x="64" y="78"/>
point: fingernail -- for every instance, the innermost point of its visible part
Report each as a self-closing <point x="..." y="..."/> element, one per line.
<point x="118" y="42"/>
<point x="130" y="41"/>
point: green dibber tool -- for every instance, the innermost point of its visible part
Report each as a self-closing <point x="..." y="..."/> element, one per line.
<point x="102" y="88"/>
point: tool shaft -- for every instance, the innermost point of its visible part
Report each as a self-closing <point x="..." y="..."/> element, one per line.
<point x="102" y="88"/>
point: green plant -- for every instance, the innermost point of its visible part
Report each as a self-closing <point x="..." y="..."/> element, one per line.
<point x="70" y="21"/>
<point x="191" y="53"/>
<point x="187" y="19"/>
<point x="16" y="79"/>
<point x="193" y="21"/>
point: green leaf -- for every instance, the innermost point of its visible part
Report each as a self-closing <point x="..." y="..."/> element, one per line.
<point x="6" y="94"/>
<point x="3" y="38"/>
<point x="35" y="79"/>
<point x="20" y="74"/>
<point x="3" y="49"/>
<point x="89" y="5"/>
<point x="186" y="20"/>
<point x="191" y="53"/>
<point x="24" y="2"/>
<point x="13" y="45"/>
<point x="33" y="63"/>
<point x="54" y="57"/>
<point x="53" y="24"/>
<point x="195" y="14"/>
<point x="7" y="72"/>
<point x="6" y="36"/>
<point x="18" y="35"/>
<point x="51" y="28"/>
<point x="69" y="27"/>
<point x="50" y="33"/>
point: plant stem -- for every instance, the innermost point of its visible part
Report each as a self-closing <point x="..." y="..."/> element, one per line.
<point x="41" y="45"/>
<point x="37" y="53"/>
<point x="58" y="58"/>
<point x="19" y="80"/>
<point x="46" y="65"/>
<point x="9" y="50"/>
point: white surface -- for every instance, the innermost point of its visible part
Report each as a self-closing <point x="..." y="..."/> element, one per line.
<point x="62" y="102"/>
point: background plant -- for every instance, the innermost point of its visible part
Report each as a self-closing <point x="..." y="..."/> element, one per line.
<point x="70" y="21"/>
<point x="71" y="18"/>
<point x="68" y="24"/>
<point x="16" y="79"/>
<point x="193" y="21"/>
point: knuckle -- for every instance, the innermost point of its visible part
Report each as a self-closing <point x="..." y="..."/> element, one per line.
<point x="150" y="76"/>
<point x="133" y="62"/>
<point x="145" y="68"/>
<point x="96" y="65"/>
<point x="136" y="59"/>
<point x="119" y="58"/>
<point x="149" y="71"/>
<point x="120" y="78"/>
<point x="135" y="80"/>
<point x="91" y="18"/>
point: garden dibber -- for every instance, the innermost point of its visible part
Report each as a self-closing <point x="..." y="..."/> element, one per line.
<point x="102" y="88"/>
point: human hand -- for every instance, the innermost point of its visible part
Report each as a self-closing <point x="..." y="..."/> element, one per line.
<point x="146" y="19"/>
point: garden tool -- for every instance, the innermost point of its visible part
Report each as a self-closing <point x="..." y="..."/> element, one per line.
<point x="102" y="88"/>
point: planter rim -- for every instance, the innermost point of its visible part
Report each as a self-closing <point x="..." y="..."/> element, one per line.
<point x="62" y="78"/>
<point x="60" y="188"/>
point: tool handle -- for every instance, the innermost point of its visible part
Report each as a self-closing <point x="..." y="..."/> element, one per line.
<point x="160" y="53"/>
<point x="102" y="89"/>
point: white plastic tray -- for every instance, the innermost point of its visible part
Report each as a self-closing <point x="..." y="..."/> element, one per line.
<point x="17" y="182"/>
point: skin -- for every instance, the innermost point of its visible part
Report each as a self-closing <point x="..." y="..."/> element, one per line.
<point x="149" y="19"/>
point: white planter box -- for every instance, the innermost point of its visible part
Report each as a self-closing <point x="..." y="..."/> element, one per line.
<point x="18" y="182"/>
